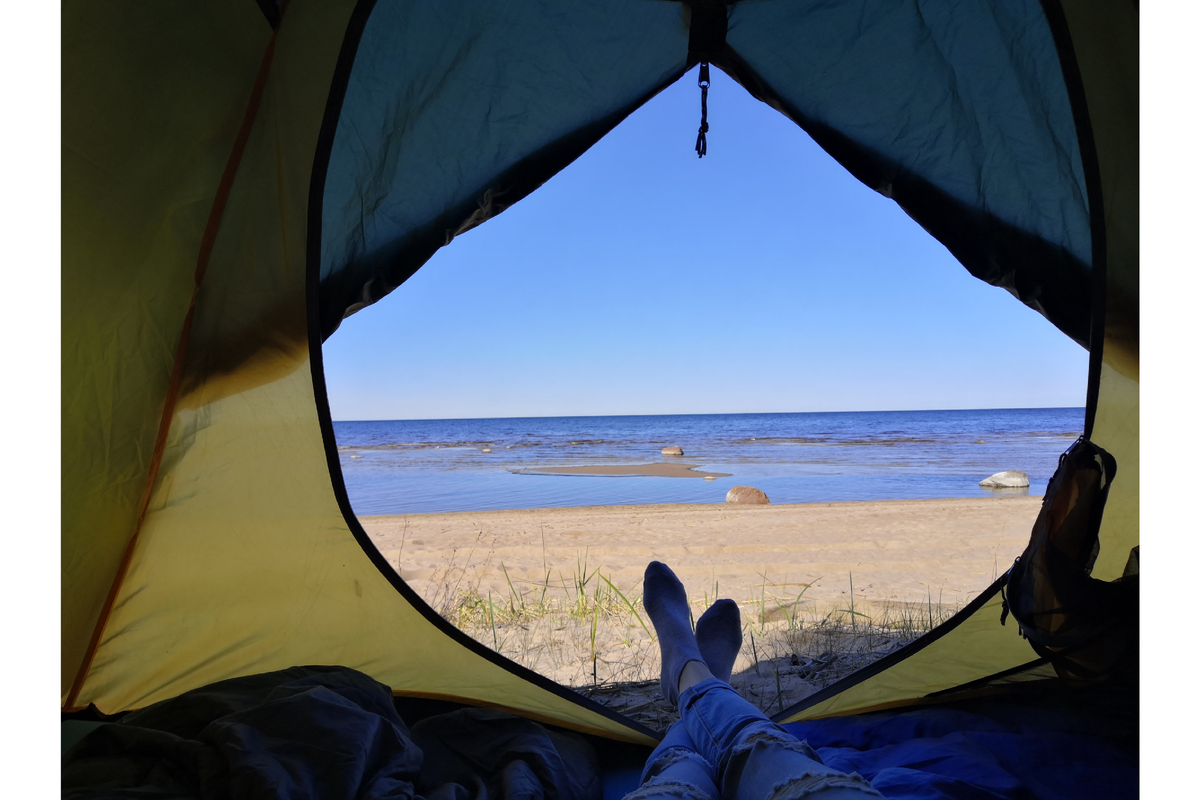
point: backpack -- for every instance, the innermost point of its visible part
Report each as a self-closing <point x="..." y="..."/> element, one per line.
<point x="1085" y="627"/>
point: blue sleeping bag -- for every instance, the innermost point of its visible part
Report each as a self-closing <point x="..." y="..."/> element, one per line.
<point x="993" y="751"/>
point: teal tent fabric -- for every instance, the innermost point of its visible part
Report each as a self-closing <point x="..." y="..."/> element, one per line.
<point x="958" y="111"/>
<point x="456" y="110"/>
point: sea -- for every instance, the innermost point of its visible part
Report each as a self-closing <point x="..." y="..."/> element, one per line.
<point x="424" y="466"/>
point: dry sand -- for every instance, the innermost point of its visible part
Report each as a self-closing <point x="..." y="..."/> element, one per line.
<point x="906" y="551"/>
<point x="529" y="584"/>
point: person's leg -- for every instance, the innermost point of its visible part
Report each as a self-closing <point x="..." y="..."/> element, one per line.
<point x="675" y="771"/>
<point x="719" y="637"/>
<point x="666" y="604"/>
<point x="754" y="758"/>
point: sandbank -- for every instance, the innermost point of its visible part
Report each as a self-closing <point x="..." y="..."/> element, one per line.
<point x="658" y="470"/>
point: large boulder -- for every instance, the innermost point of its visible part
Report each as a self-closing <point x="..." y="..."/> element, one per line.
<point x="1009" y="479"/>
<point x="747" y="495"/>
<point x="672" y="451"/>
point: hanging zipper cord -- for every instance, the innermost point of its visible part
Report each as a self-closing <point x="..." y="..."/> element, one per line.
<point x="702" y="138"/>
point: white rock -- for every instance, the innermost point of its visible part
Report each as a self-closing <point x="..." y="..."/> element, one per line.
<point x="486" y="450"/>
<point x="710" y="477"/>
<point x="747" y="495"/>
<point x="1009" y="479"/>
<point x="672" y="451"/>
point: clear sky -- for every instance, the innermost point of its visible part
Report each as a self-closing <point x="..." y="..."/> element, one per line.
<point x="643" y="280"/>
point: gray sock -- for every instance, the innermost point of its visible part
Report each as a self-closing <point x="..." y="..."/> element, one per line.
<point x="666" y="604"/>
<point x="719" y="636"/>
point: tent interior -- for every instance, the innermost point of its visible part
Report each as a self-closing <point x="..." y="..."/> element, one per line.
<point x="239" y="177"/>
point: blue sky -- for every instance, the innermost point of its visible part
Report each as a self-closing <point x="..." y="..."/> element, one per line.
<point x="643" y="280"/>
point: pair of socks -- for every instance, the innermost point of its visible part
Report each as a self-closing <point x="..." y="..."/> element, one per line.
<point x="718" y="636"/>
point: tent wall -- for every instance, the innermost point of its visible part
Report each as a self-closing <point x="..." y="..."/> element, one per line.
<point x="1105" y="38"/>
<point x="248" y="560"/>
<point x="206" y="531"/>
<point x="149" y="116"/>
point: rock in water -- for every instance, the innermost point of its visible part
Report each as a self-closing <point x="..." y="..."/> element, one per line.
<point x="710" y="477"/>
<point x="1009" y="479"/>
<point x="486" y="450"/>
<point x="747" y="495"/>
<point x="672" y="451"/>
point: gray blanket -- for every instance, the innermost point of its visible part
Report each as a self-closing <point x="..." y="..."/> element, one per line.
<point x="323" y="732"/>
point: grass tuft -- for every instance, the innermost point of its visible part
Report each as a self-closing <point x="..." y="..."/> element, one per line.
<point x="588" y="634"/>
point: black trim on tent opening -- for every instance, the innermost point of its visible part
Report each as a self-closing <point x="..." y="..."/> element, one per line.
<point x="707" y="30"/>
<point x="354" y="31"/>
<point x="1073" y="80"/>
<point x="270" y="10"/>
<point x="890" y="660"/>
<point x="996" y="676"/>
<point x="1053" y="290"/>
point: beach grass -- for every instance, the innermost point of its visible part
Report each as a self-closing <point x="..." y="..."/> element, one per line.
<point x="583" y="631"/>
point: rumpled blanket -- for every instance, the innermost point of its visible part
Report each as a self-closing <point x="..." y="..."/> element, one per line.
<point x="323" y="732"/>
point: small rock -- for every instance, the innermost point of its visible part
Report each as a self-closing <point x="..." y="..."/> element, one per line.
<point x="356" y="456"/>
<point x="710" y="477"/>
<point x="1009" y="479"/>
<point x="486" y="450"/>
<point x="747" y="495"/>
<point x="672" y="451"/>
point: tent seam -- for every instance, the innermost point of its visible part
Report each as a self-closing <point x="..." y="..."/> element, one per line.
<point x="207" y="241"/>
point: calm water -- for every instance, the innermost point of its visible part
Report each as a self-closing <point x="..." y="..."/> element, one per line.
<point x="398" y="467"/>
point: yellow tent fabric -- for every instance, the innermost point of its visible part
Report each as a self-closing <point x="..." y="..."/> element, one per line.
<point x="203" y="534"/>
<point x="243" y="562"/>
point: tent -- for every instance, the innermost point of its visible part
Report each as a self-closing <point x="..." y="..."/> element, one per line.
<point x="239" y="177"/>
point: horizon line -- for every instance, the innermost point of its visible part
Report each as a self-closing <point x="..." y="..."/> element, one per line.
<point x="725" y="414"/>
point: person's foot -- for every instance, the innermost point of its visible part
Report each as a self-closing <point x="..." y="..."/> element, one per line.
<point x="719" y="637"/>
<point x="666" y="604"/>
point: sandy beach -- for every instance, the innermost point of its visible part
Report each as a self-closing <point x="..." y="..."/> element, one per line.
<point x="897" y="551"/>
<point x="559" y="589"/>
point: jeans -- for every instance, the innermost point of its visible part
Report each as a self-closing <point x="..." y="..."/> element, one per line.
<point x="723" y="747"/>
